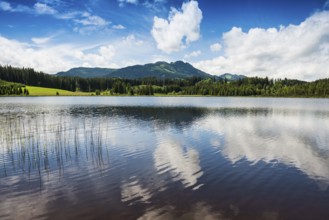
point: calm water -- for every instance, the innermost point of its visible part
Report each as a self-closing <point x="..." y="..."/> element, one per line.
<point x="164" y="158"/>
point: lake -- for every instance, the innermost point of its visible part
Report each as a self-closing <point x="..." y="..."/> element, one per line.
<point x="164" y="158"/>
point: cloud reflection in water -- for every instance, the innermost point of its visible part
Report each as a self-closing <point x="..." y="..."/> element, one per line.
<point x="297" y="140"/>
<point x="170" y="156"/>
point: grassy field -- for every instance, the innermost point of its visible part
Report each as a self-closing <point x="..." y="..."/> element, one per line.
<point x="41" y="91"/>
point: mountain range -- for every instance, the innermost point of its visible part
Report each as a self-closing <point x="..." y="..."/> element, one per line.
<point x="160" y="70"/>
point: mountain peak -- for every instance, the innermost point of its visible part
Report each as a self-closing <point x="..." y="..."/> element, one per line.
<point x="160" y="62"/>
<point x="160" y="69"/>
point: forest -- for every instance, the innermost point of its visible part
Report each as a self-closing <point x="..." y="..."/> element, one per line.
<point x="250" y="86"/>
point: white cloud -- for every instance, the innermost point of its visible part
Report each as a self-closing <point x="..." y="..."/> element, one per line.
<point x="161" y="57"/>
<point x="52" y="59"/>
<point x="119" y="27"/>
<point x="215" y="47"/>
<point x="131" y="40"/>
<point x="193" y="54"/>
<point x="132" y="1"/>
<point x="91" y="20"/>
<point x="181" y="28"/>
<point x="43" y="56"/>
<point x="123" y="2"/>
<point x="68" y="15"/>
<point x="83" y="21"/>
<point x="41" y="8"/>
<point x="41" y="40"/>
<point x="5" y="6"/>
<point x="38" y="8"/>
<point x="295" y="51"/>
<point x="107" y="52"/>
<point x="155" y="5"/>
<point x="87" y="23"/>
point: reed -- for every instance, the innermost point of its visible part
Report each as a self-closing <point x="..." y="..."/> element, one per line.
<point x="39" y="144"/>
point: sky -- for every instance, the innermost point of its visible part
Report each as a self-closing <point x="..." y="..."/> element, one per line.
<point x="274" y="38"/>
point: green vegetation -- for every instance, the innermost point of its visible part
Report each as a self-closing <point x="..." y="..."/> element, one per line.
<point x="214" y="86"/>
<point x="256" y="86"/>
<point x="42" y="91"/>
<point x="85" y="72"/>
<point x="159" y="70"/>
<point x="10" y="88"/>
<point x="17" y="89"/>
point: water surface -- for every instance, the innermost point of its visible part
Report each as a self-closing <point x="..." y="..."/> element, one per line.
<point x="164" y="158"/>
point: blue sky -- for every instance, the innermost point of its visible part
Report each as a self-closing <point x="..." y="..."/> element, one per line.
<point x="253" y="37"/>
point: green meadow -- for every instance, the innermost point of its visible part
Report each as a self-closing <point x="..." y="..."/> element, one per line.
<point x="42" y="91"/>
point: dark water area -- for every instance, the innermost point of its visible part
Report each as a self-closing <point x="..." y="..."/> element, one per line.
<point x="164" y="158"/>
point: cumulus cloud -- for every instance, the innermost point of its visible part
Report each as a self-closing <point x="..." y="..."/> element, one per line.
<point x="215" y="47"/>
<point x="181" y="28"/>
<point x="107" y="52"/>
<point x="193" y="54"/>
<point x="52" y="59"/>
<point x="294" y="51"/>
<point x="43" y="56"/>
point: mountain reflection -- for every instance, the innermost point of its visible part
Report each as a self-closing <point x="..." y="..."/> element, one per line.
<point x="163" y="116"/>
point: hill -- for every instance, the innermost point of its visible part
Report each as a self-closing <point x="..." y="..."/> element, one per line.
<point x="159" y="70"/>
<point x="86" y="72"/>
<point x="19" y="81"/>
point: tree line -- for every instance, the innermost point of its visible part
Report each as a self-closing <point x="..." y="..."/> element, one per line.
<point x="9" y="88"/>
<point x="145" y="86"/>
<point x="251" y="86"/>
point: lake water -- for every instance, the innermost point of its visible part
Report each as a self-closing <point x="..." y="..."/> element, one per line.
<point x="164" y="158"/>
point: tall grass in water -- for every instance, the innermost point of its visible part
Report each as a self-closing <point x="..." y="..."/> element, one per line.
<point x="37" y="145"/>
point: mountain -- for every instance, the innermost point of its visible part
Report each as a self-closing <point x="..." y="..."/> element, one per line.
<point x="174" y="70"/>
<point x="160" y="70"/>
<point x="231" y="77"/>
<point x="86" y="72"/>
